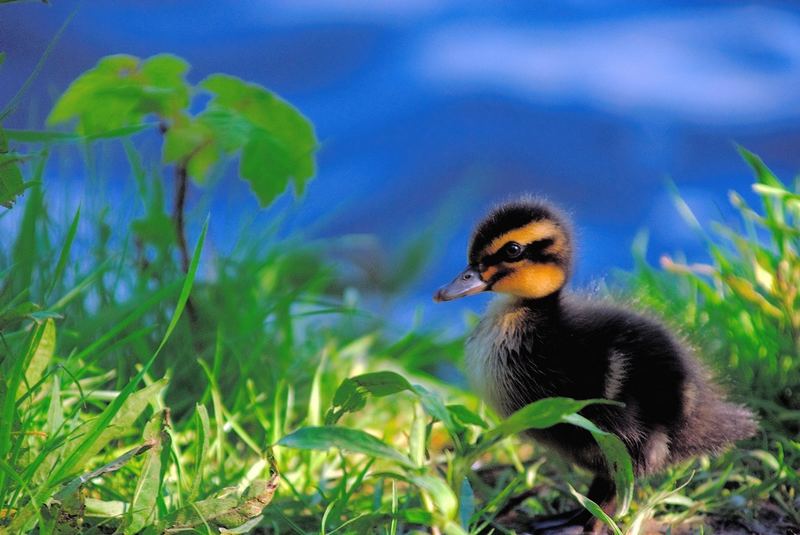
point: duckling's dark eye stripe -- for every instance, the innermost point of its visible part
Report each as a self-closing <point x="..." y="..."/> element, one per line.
<point x="496" y="277"/>
<point x="542" y="257"/>
<point x="533" y="251"/>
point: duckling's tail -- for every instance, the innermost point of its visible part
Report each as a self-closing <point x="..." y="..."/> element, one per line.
<point x="731" y="422"/>
<point x="713" y="426"/>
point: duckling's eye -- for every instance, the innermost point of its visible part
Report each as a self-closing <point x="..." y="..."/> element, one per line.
<point x="512" y="250"/>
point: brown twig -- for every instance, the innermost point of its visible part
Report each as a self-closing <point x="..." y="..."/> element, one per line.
<point x="178" y="207"/>
<point x="179" y="204"/>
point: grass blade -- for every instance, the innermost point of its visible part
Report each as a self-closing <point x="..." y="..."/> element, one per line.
<point x="15" y="100"/>
<point x="203" y="430"/>
<point x="64" y="256"/>
<point x="596" y="510"/>
<point x="102" y="422"/>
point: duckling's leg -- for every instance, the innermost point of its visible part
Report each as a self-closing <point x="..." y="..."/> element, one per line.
<point x="602" y="492"/>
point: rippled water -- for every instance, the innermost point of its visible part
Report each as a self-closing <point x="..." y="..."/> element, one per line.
<point x="429" y="112"/>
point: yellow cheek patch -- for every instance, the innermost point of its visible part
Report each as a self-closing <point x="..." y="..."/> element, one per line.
<point x="529" y="233"/>
<point x="532" y="281"/>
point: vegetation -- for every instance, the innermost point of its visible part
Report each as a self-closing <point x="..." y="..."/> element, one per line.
<point x="280" y="403"/>
<point x="746" y="299"/>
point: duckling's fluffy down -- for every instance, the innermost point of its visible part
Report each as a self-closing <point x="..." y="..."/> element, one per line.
<point x="525" y="350"/>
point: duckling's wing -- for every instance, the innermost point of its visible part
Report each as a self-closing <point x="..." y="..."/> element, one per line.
<point x="673" y="407"/>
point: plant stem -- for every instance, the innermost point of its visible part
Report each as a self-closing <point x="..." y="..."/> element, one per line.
<point x="178" y="207"/>
<point x="181" y="183"/>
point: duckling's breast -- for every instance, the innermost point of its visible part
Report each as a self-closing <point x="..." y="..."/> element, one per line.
<point x="498" y="357"/>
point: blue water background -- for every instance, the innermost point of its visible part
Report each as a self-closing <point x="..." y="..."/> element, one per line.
<point x="429" y="112"/>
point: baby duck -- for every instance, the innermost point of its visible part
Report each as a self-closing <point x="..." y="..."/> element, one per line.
<point x="537" y="341"/>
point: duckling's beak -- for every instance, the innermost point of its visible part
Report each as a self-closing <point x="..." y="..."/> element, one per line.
<point x="467" y="283"/>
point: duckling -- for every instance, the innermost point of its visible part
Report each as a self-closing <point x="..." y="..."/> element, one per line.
<point x="538" y="341"/>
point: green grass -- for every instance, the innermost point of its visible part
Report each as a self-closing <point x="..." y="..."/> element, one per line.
<point x="120" y="413"/>
<point x="91" y="439"/>
<point x="745" y="300"/>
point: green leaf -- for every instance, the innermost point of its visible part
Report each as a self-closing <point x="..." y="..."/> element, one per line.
<point x="24" y="256"/>
<point x="227" y="509"/>
<point x="617" y="457"/>
<point x="181" y="140"/>
<point x="466" y="416"/>
<point x="194" y="144"/>
<point x="245" y="528"/>
<point x="418" y="437"/>
<point x="352" y="394"/>
<point x="281" y="144"/>
<point x="379" y="384"/>
<point x="203" y="162"/>
<point x="440" y="492"/>
<point x="148" y="486"/>
<point x="102" y="428"/>
<point x="120" y="90"/>
<point x="113" y="466"/>
<point x="105" y="508"/>
<point x="12" y="378"/>
<point x="79" y="453"/>
<point x="11" y="182"/>
<point x="772" y="191"/>
<point x="596" y="510"/>
<point x="434" y="406"/>
<point x="40" y="358"/>
<point x="157" y="228"/>
<point x="538" y="415"/>
<point x="121" y="423"/>
<point x="65" y="509"/>
<point x="230" y="129"/>
<point x="94" y="97"/>
<point x="166" y="91"/>
<point x="324" y="438"/>
<point x="443" y="496"/>
<point x="267" y="165"/>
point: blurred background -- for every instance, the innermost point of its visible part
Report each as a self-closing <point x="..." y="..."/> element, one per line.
<point x="430" y="111"/>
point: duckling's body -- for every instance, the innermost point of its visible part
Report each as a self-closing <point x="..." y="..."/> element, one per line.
<point x="537" y="341"/>
<point x="526" y="350"/>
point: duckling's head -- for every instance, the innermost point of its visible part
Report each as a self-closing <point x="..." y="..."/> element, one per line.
<point x="522" y="248"/>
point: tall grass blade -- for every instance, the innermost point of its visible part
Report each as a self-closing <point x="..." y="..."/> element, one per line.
<point x="65" y="251"/>
<point x="203" y="431"/>
<point x="15" y="100"/>
<point x="99" y="431"/>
